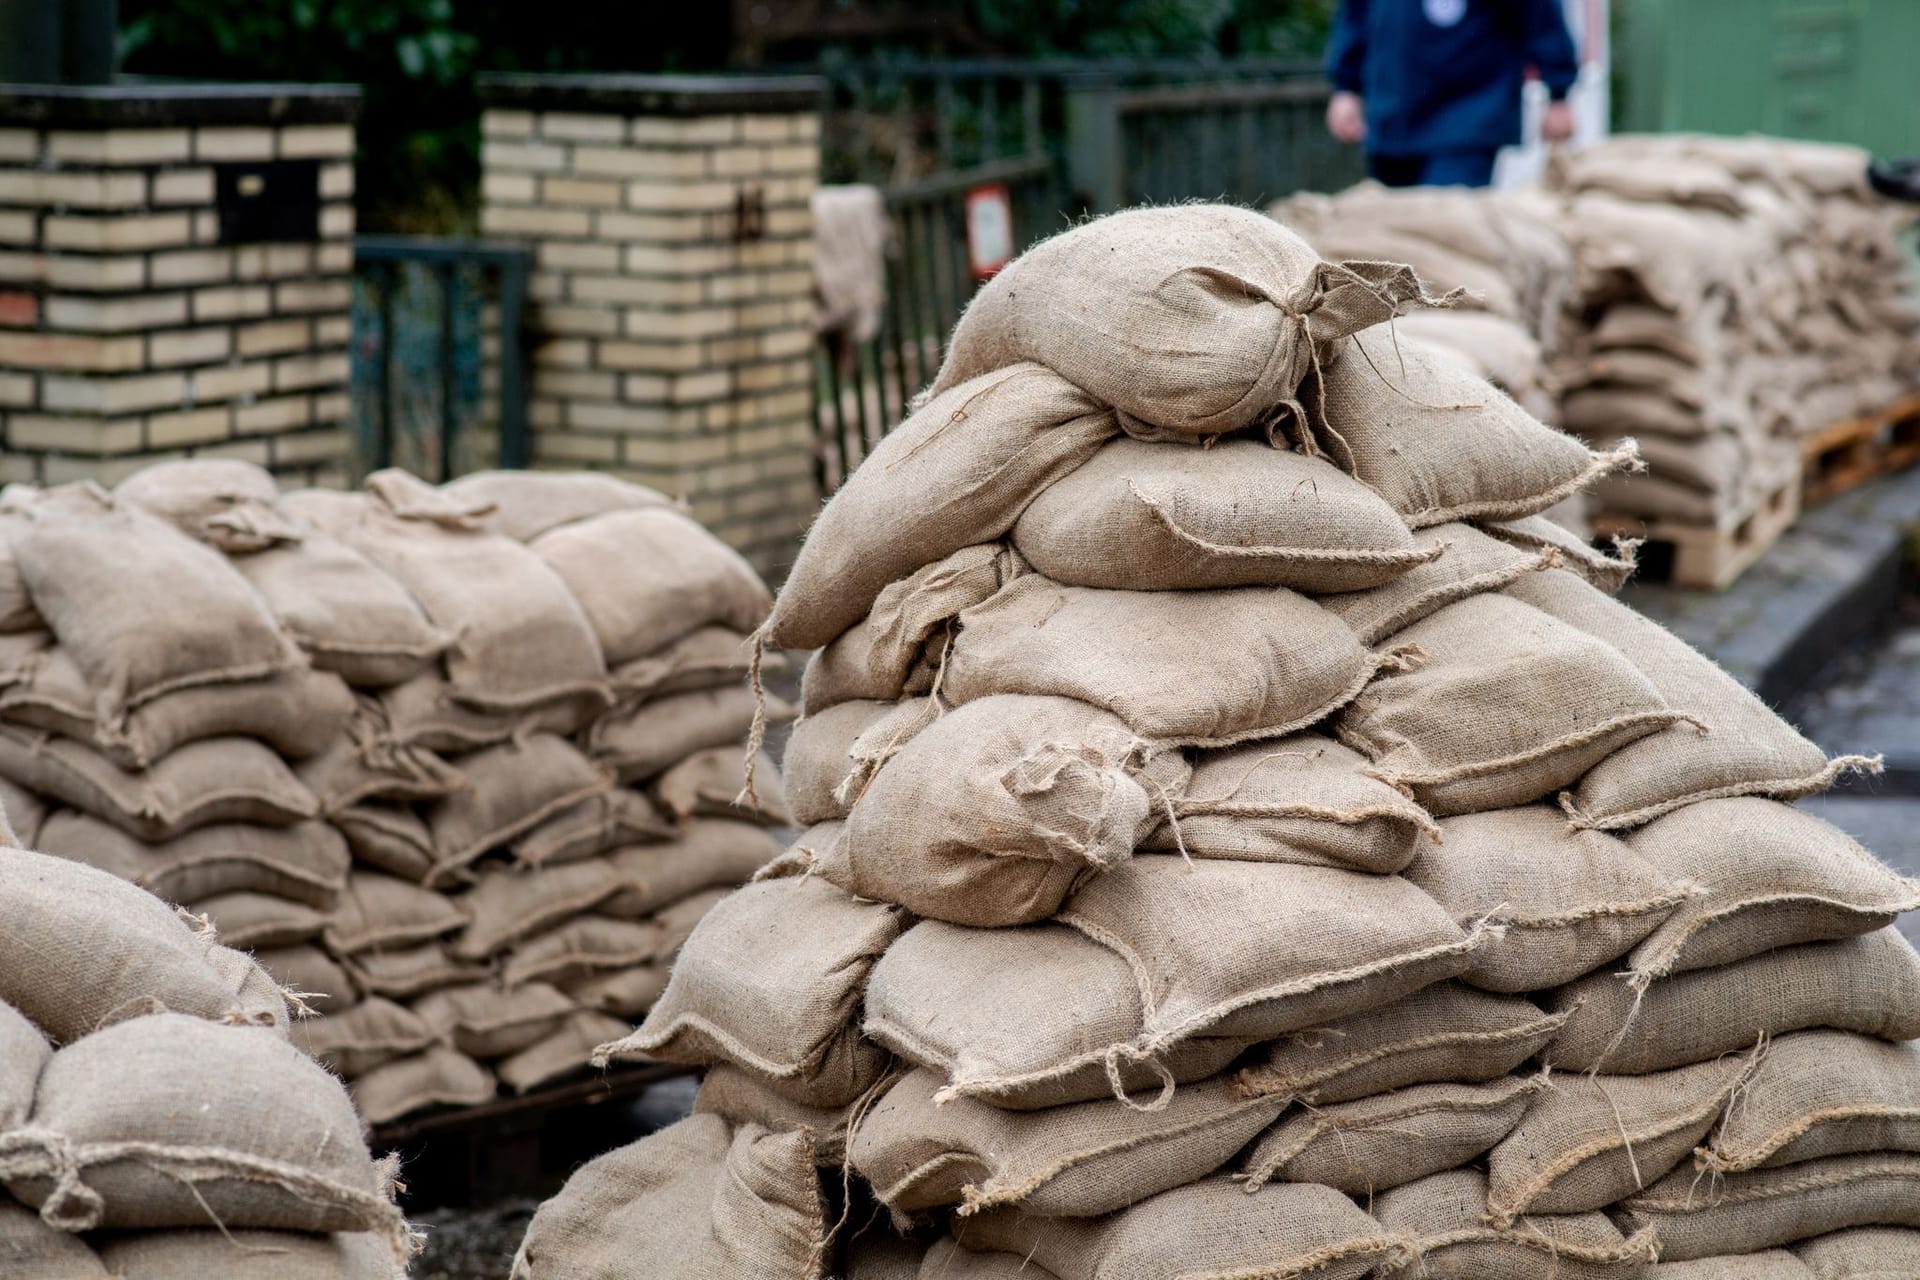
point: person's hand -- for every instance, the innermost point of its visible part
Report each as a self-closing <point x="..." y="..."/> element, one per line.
<point x="1347" y="117"/>
<point x="1557" y="124"/>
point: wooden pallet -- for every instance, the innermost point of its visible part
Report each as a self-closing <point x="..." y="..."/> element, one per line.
<point x="1848" y="454"/>
<point x="1706" y="557"/>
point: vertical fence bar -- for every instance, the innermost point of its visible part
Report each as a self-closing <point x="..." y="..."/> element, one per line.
<point x="445" y="277"/>
<point x="943" y="109"/>
<point x="1033" y="140"/>
<point x="989" y="119"/>
<point x="513" y="372"/>
<point x="383" y="439"/>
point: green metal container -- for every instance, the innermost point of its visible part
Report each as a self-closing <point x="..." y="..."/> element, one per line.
<point x="1832" y="70"/>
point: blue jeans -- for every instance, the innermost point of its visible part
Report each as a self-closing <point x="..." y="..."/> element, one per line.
<point x="1438" y="169"/>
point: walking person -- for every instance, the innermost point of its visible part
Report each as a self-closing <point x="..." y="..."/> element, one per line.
<point x="1432" y="87"/>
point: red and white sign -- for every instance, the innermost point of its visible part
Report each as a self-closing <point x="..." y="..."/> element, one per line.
<point x="989" y="230"/>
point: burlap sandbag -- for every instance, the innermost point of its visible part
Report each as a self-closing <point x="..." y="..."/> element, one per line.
<point x="1445" y="1216"/>
<point x="1148" y="657"/>
<point x="348" y="616"/>
<point x="1869" y="985"/>
<point x="525" y="504"/>
<point x="23" y="1052"/>
<point x="957" y="472"/>
<point x="581" y="949"/>
<point x="1114" y="305"/>
<point x="771" y="981"/>
<point x="245" y="1255"/>
<point x="296" y="712"/>
<point x="707" y="783"/>
<point x="1746" y="750"/>
<point x="641" y="740"/>
<point x="390" y="837"/>
<point x="509" y="790"/>
<point x="1446" y="1032"/>
<point x="22" y="812"/>
<point x="520" y="637"/>
<point x="566" y="1050"/>
<point x="710" y="853"/>
<point x="991" y="814"/>
<point x="946" y="1260"/>
<point x="1607" y="572"/>
<point x="373" y="1032"/>
<point x="1021" y="1018"/>
<point x="1208" y="1230"/>
<point x="1078" y="1161"/>
<point x="897" y="648"/>
<point x="831" y="757"/>
<point x="81" y="948"/>
<point x="108" y="577"/>
<point x="704" y="658"/>
<point x="259" y="995"/>
<point x="1309" y="944"/>
<point x="1467" y="563"/>
<point x="646" y="578"/>
<point x="1439" y="443"/>
<point x="365" y="763"/>
<point x="1371" y="1144"/>
<point x="1138" y="517"/>
<point x="624" y="992"/>
<point x="1590" y="1140"/>
<point x="306" y="863"/>
<point x="1569" y="901"/>
<point x="385" y="911"/>
<point x="1770" y="875"/>
<point x="214" y="780"/>
<point x="423" y="712"/>
<point x="1744" y="1212"/>
<point x="309" y="973"/>
<point x="249" y="920"/>
<point x="1819" y="1094"/>
<point x="1864" y="1253"/>
<point x="591" y="827"/>
<point x="698" y="1201"/>
<point x="437" y="1077"/>
<point x="411" y="971"/>
<point x="31" y="1248"/>
<point x="741" y="1097"/>
<point x="1303" y="799"/>
<point x="509" y="903"/>
<point x="1767" y="1264"/>
<point x="223" y="502"/>
<point x="171" y="1121"/>
<point x="1509" y="706"/>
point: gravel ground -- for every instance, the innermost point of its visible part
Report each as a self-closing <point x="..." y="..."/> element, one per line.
<point x="472" y="1244"/>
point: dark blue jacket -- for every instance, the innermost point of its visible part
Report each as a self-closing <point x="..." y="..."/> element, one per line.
<point x="1444" y="75"/>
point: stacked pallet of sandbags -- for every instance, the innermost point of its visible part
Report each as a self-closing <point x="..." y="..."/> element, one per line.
<point x="1186" y="892"/>
<point x="155" y="1123"/>
<point x="456" y="762"/>
<point x="1734" y="295"/>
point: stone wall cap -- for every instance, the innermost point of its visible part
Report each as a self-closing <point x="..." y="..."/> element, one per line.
<point x="153" y="104"/>
<point x="653" y="95"/>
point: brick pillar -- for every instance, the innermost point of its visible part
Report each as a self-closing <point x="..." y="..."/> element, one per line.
<point x="672" y="284"/>
<point x="138" y="321"/>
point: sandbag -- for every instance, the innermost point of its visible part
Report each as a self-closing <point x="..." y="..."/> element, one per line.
<point x="771" y="981"/>
<point x="742" y="1097"/>
<point x="1077" y="1161"/>
<point x="365" y="763"/>
<point x="214" y="780"/>
<point x="711" y="853"/>
<point x="646" y="577"/>
<point x="22" y="813"/>
<point x="258" y="994"/>
<point x="1767" y="1264"/>
<point x="1606" y="572"/>
<point x="23" y="1052"/>
<point x="242" y="1255"/>
<point x="1439" y="443"/>
<point x="1770" y="876"/>
<point x="1145" y="657"/>
<point x="438" y="1077"/>
<point x="525" y="504"/>
<point x="509" y="903"/>
<point x="706" y="783"/>
<point x="1568" y="901"/>
<point x="640" y="741"/>
<point x="81" y="948"/>
<point x="312" y="975"/>
<point x="817" y="759"/>
<point x="389" y="837"/>
<point x="1303" y="799"/>
<point x="410" y="971"/>
<point x="583" y="948"/>
<point x="305" y="863"/>
<point x="509" y="790"/>
<point x="223" y="502"/>
<point x="1745" y="1212"/>
<point x="946" y="1260"/>
<point x="1869" y="985"/>
<point x="1590" y="1140"/>
<point x="368" y="1035"/>
<point x="1445" y="1216"/>
<point x="108" y="577"/>
<point x="1817" y="1094"/>
<point x="1508" y="706"/>
<point x="423" y="712"/>
<point x="991" y="814"/>
<point x="249" y="920"/>
<point x="700" y="1200"/>
<point x="385" y="911"/>
<point x="1864" y="1253"/>
<point x="1465" y="562"/>
<point x="31" y="1248"/>
<point x="1746" y="749"/>
<point x="1446" y="1032"/>
<point x="1021" y="1018"/>
<point x="591" y="827"/>
<point x="107" y="1147"/>
<point x="704" y="658"/>
<point x="564" y="1051"/>
<point x="1372" y="1144"/>
<point x="959" y="471"/>
<point x="1114" y="304"/>
<point x="1139" y="517"/>
<point x="625" y="992"/>
<point x="1208" y="1228"/>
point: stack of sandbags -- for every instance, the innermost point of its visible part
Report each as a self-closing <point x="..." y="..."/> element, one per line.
<point x="1229" y="859"/>
<point x="456" y="763"/>
<point x="155" y="1123"/>
<point x="1734" y="294"/>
